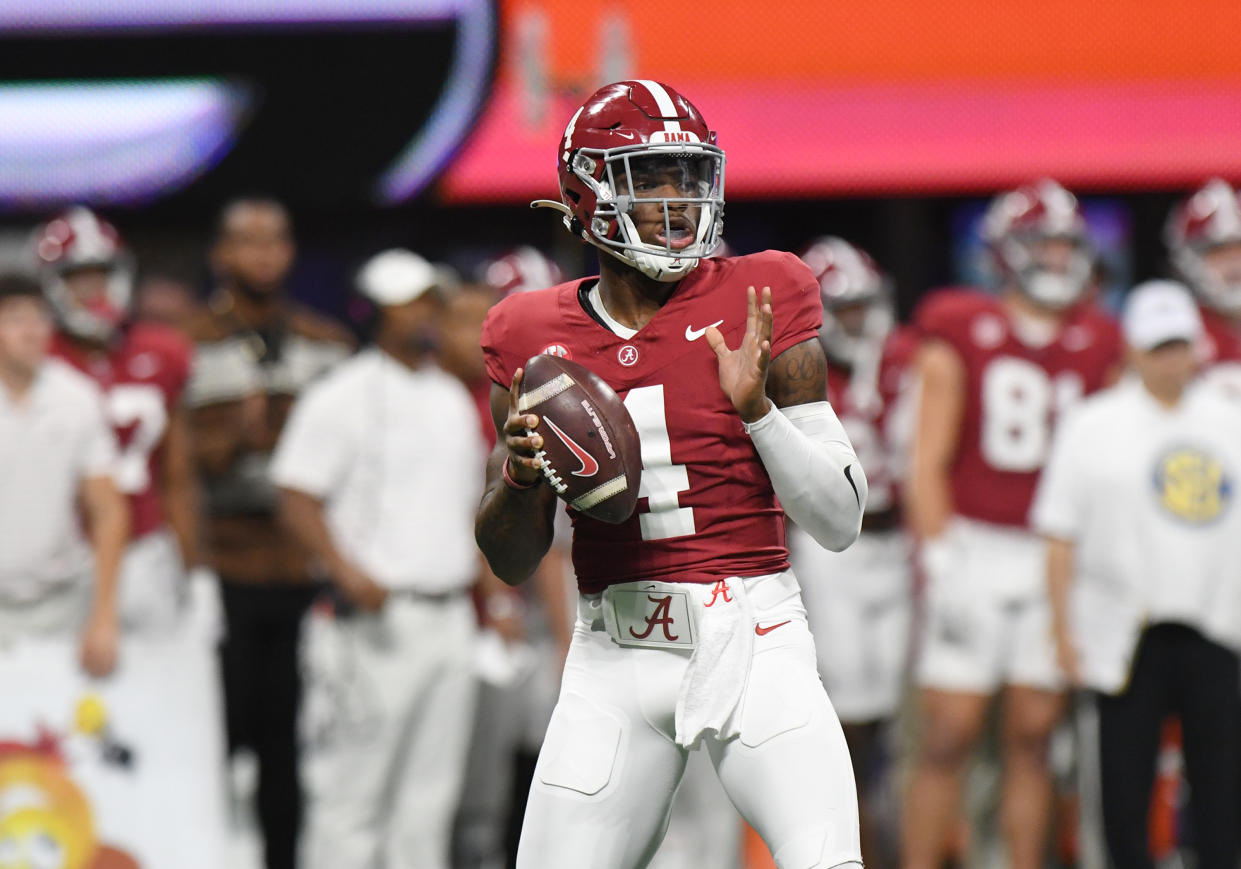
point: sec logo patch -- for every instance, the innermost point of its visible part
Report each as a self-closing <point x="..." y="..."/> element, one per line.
<point x="1192" y="485"/>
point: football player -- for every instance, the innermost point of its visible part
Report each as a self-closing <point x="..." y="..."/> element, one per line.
<point x="859" y="601"/>
<point x="1203" y="235"/>
<point x="691" y="632"/>
<point x="87" y="276"/>
<point x="520" y="270"/>
<point x="995" y="370"/>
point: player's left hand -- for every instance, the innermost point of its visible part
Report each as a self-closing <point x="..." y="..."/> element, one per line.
<point x="100" y="643"/>
<point x="743" y="372"/>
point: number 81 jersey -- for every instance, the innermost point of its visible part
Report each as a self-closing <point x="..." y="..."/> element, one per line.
<point x="706" y="509"/>
<point x="142" y="376"/>
<point x="1014" y="393"/>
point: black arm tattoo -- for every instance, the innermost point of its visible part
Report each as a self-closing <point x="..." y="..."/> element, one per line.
<point x="798" y="375"/>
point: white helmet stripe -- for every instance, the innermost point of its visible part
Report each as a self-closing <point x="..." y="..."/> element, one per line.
<point x="568" y="132"/>
<point x="664" y="102"/>
<point x="87" y="235"/>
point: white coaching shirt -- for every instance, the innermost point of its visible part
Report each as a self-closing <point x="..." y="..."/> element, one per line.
<point x="53" y="439"/>
<point x="397" y="457"/>
<point x="1149" y="495"/>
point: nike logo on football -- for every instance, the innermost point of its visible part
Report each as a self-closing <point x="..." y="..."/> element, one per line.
<point x="763" y="631"/>
<point x="589" y="466"/>
<point x="692" y="334"/>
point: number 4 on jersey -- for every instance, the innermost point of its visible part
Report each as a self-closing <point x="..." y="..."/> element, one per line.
<point x="662" y="481"/>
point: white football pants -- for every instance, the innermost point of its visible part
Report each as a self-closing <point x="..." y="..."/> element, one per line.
<point x="610" y="766"/>
<point x="386" y="716"/>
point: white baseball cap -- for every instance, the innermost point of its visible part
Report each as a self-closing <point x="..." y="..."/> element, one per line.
<point x="1160" y="311"/>
<point x="397" y="276"/>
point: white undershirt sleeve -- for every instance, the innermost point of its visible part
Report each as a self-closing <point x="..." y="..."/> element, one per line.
<point x="814" y="471"/>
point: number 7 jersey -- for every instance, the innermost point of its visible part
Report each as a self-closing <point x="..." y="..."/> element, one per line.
<point x="142" y="376"/>
<point x="706" y="509"/>
<point x="1014" y="393"/>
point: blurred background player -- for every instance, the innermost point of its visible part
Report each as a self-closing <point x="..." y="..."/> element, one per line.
<point x="1203" y="235"/>
<point x="994" y="372"/>
<point x="1143" y="545"/>
<point x="255" y="351"/>
<point x="88" y="278"/>
<point x="52" y="582"/>
<point x="520" y="270"/>
<point x="859" y="602"/>
<point x="379" y="472"/>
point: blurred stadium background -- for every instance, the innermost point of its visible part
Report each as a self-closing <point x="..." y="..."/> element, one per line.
<point x="431" y="124"/>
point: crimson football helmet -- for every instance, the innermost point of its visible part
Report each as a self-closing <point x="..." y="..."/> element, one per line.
<point x="849" y="278"/>
<point x="519" y="270"/>
<point x="74" y="241"/>
<point x="1019" y="221"/>
<point x="1206" y="221"/>
<point x="623" y="133"/>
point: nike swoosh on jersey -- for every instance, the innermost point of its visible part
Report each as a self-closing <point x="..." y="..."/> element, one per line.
<point x="763" y="631"/>
<point x="692" y="334"/>
<point x="589" y="467"/>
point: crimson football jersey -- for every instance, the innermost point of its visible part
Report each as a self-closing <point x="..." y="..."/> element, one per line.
<point x="1013" y="394"/>
<point x="868" y="406"/>
<point x="142" y="377"/>
<point x="706" y="509"/>
<point x="1222" y="346"/>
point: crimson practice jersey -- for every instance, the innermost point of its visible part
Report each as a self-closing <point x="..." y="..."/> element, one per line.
<point x="142" y="377"/>
<point x="1013" y="394"/>
<point x="707" y="509"/>
<point x="1223" y="352"/>
<point x="870" y="408"/>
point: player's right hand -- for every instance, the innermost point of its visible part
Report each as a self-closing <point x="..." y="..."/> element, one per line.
<point x="523" y="466"/>
<point x="359" y="589"/>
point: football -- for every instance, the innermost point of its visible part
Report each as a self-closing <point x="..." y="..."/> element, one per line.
<point x="591" y="454"/>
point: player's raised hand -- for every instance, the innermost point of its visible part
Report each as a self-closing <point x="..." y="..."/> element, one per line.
<point x="523" y="467"/>
<point x="743" y="372"/>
